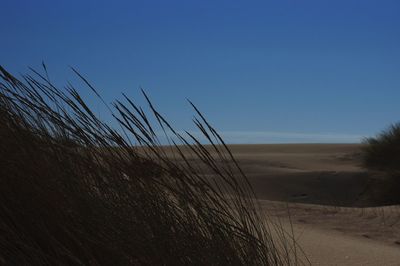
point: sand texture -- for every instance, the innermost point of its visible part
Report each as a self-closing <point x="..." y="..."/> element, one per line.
<point x="337" y="218"/>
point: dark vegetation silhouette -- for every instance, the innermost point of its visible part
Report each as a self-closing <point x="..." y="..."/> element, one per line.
<point x="381" y="155"/>
<point x="383" y="151"/>
<point x="76" y="191"/>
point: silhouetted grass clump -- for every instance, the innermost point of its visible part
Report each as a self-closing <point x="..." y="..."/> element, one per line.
<point x="76" y="191"/>
<point x="383" y="151"/>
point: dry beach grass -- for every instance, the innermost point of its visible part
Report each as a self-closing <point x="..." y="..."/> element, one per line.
<point x="76" y="191"/>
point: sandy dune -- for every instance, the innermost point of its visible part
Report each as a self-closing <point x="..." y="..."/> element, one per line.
<point x="331" y="235"/>
<point x="336" y="207"/>
<point x="324" y="247"/>
<point x="325" y="187"/>
<point x="326" y="174"/>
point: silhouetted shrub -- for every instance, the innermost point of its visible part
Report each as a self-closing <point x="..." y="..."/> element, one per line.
<point x="383" y="151"/>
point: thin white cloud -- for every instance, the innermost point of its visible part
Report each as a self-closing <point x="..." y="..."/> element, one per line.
<point x="259" y="137"/>
<point x="288" y="137"/>
<point x="266" y="137"/>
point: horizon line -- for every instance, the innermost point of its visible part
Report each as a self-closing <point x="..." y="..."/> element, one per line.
<point x="275" y="137"/>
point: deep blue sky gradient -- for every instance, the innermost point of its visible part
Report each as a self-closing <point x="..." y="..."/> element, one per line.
<point x="315" y="71"/>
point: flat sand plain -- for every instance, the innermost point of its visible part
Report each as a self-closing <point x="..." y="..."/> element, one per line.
<point x="340" y="213"/>
<point x="328" y="174"/>
<point x="337" y="218"/>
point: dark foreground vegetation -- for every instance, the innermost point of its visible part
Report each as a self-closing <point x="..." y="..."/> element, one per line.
<point x="75" y="191"/>
<point x="381" y="154"/>
<point x="383" y="151"/>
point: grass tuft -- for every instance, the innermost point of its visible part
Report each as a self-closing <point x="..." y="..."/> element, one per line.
<point x="383" y="151"/>
<point x="74" y="190"/>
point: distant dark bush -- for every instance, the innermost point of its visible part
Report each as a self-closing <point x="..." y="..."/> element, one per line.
<point x="383" y="151"/>
<point x="75" y="191"/>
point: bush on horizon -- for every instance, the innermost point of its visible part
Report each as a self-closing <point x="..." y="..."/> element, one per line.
<point x="383" y="151"/>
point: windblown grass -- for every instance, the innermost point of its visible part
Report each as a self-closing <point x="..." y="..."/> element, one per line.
<point x="74" y="190"/>
<point x="383" y="151"/>
<point x="381" y="154"/>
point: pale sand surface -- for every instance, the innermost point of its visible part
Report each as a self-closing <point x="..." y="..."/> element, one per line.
<point x="325" y="186"/>
<point x="341" y="236"/>
<point x="324" y="247"/>
<point x="337" y="214"/>
<point x="308" y="173"/>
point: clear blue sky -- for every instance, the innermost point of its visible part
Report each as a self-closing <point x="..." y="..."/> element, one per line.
<point x="261" y="71"/>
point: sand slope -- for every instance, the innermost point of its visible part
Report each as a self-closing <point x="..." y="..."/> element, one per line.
<point x="313" y="173"/>
<point x="327" y="174"/>
<point x="324" y="247"/>
<point x="326" y="188"/>
<point x="336" y="216"/>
